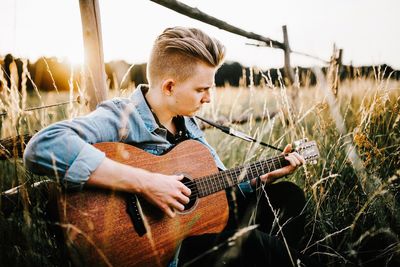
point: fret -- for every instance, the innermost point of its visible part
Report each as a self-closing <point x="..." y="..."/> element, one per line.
<point x="225" y="180"/>
<point x="236" y="172"/>
<point x="199" y="186"/>
<point x="272" y="161"/>
<point x="215" y="184"/>
<point x="240" y="173"/>
<point x="280" y="163"/>
<point x="234" y="176"/>
<point x="207" y="184"/>
<point x="261" y="168"/>
<point x="219" y="183"/>
<point x="203" y="186"/>
<point x="267" y="166"/>
<point x="205" y="191"/>
<point x="252" y="167"/>
<point x="229" y="179"/>
<point x="249" y="175"/>
<point x="244" y="173"/>
<point x="209" y="180"/>
<point x="256" y="167"/>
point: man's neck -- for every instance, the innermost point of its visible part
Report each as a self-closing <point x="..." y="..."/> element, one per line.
<point x="159" y="108"/>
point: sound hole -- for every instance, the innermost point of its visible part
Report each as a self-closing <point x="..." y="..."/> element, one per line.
<point x="193" y="196"/>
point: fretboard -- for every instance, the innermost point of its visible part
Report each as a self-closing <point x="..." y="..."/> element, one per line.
<point x="213" y="183"/>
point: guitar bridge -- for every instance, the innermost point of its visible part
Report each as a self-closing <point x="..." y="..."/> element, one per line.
<point x="135" y="213"/>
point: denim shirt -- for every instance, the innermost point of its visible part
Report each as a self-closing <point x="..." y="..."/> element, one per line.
<point x="64" y="150"/>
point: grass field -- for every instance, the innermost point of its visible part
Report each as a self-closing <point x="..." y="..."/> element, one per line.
<point x="352" y="192"/>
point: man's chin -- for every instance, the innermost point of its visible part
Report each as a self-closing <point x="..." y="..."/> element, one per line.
<point x="192" y="113"/>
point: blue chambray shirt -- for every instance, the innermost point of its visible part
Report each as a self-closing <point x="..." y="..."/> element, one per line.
<point x="64" y="149"/>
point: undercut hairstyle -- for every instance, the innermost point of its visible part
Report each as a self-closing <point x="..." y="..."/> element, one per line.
<point x="177" y="50"/>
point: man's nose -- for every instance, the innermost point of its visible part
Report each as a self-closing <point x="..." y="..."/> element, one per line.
<point x="206" y="97"/>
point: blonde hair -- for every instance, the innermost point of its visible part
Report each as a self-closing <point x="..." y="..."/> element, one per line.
<point x="177" y="50"/>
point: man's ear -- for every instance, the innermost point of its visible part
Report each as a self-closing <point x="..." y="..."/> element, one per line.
<point x="167" y="86"/>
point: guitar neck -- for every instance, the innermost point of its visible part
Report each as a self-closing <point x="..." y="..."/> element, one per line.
<point x="213" y="183"/>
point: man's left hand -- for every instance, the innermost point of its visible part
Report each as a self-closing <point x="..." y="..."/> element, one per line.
<point x="295" y="161"/>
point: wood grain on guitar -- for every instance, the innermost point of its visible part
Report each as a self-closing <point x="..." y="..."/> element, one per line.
<point x="117" y="229"/>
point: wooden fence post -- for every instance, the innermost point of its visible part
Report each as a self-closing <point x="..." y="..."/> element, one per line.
<point x="333" y="73"/>
<point x="95" y="77"/>
<point x="288" y="70"/>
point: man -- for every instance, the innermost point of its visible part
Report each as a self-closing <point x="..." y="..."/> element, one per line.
<point x="181" y="71"/>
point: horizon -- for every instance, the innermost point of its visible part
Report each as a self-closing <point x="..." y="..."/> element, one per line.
<point x="67" y="62"/>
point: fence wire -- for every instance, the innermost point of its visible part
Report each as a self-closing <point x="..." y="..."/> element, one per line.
<point x="45" y="106"/>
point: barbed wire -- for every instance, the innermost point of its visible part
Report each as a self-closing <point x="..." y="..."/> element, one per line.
<point x="310" y="56"/>
<point x="45" y="106"/>
<point x="293" y="52"/>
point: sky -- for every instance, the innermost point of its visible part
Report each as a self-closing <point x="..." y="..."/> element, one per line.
<point x="368" y="31"/>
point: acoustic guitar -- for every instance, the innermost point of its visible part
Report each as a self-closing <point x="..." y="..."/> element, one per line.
<point x="107" y="228"/>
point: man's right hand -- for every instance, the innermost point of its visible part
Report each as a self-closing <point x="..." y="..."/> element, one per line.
<point x="166" y="192"/>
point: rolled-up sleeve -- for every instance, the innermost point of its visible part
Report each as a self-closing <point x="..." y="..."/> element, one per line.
<point x="64" y="150"/>
<point x="88" y="159"/>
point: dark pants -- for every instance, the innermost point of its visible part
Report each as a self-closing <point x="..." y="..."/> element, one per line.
<point x="267" y="245"/>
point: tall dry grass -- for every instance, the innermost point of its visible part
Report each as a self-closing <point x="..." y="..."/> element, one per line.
<point x="351" y="192"/>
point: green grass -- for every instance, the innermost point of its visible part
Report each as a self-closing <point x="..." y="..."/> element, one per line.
<point x="351" y="191"/>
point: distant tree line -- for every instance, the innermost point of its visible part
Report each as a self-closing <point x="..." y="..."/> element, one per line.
<point x="49" y="74"/>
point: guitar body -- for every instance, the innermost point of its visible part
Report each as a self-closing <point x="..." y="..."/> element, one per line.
<point x="99" y="230"/>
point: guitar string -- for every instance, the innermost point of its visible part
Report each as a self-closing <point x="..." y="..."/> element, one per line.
<point x="251" y="167"/>
<point x="238" y="170"/>
<point x="209" y="188"/>
<point x="211" y="181"/>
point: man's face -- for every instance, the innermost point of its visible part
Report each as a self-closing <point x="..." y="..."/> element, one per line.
<point x="191" y="94"/>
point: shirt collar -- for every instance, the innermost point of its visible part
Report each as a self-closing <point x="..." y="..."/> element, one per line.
<point x="143" y="109"/>
<point x="192" y="128"/>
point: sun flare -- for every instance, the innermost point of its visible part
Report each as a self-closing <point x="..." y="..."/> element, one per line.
<point x="75" y="57"/>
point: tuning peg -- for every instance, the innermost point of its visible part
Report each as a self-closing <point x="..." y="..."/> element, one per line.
<point x="299" y="142"/>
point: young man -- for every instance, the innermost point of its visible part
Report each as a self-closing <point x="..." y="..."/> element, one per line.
<point x="181" y="71"/>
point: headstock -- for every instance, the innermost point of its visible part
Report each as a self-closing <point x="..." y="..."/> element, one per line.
<point x="308" y="149"/>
